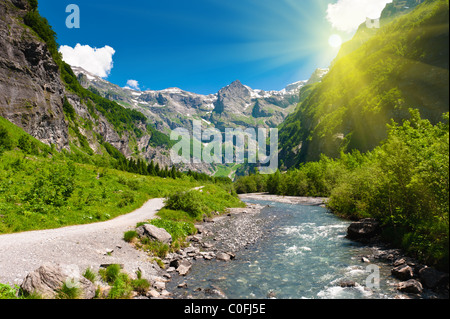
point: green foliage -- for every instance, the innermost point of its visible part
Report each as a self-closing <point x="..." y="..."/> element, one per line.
<point x="5" y="140"/>
<point x="178" y="230"/>
<point x="404" y="183"/>
<point x="33" y="4"/>
<point x="89" y="275"/>
<point x="121" y="288"/>
<point x="8" y="292"/>
<point x="68" y="109"/>
<point x="111" y="273"/>
<point x="67" y="292"/>
<point x="402" y="65"/>
<point x="191" y="202"/>
<point x="130" y="235"/>
<point x="141" y="286"/>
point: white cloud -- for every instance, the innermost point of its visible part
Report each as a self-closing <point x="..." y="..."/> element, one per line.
<point x="133" y="84"/>
<point x="347" y="15"/>
<point x="95" y="60"/>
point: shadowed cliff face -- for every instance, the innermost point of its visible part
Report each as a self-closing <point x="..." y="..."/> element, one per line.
<point x="31" y="90"/>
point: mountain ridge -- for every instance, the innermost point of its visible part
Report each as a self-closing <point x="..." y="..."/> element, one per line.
<point x="234" y="105"/>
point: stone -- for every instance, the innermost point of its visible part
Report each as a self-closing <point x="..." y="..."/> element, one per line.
<point x="154" y="233"/>
<point x="410" y="286"/>
<point x="184" y="267"/>
<point x="49" y="278"/>
<point x="153" y="293"/>
<point x="223" y="256"/>
<point x="365" y="260"/>
<point x="347" y="284"/>
<point x="399" y="262"/>
<point x="200" y="228"/>
<point x="175" y="263"/>
<point x="159" y="285"/>
<point x="363" y="229"/>
<point x="182" y="285"/>
<point x="207" y="245"/>
<point x="402" y="272"/>
<point x="171" y="269"/>
<point x="432" y="278"/>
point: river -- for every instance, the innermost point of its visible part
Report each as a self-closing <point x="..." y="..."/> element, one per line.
<point x="303" y="255"/>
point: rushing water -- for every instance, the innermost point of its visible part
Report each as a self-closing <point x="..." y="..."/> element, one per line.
<point x="304" y="255"/>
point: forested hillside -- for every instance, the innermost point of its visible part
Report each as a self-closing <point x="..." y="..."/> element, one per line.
<point x="403" y="65"/>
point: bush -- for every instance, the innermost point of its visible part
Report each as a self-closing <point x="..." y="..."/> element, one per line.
<point x="5" y="140"/>
<point x="191" y="202"/>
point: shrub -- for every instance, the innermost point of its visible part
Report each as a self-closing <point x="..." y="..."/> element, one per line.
<point x="191" y="202"/>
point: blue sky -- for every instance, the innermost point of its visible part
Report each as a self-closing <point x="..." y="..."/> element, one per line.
<point x="204" y="45"/>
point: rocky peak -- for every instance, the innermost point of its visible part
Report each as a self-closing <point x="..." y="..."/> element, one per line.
<point x="234" y="98"/>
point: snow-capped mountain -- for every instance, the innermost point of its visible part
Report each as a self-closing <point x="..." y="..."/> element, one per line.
<point x="234" y="105"/>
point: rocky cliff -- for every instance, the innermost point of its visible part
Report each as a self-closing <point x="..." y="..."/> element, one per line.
<point x="35" y="95"/>
<point x="31" y="90"/>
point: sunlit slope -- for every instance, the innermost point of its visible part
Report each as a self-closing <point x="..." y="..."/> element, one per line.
<point x="404" y="65"/>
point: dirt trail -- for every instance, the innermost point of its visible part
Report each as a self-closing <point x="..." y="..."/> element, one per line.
<point x="83" y="245"/>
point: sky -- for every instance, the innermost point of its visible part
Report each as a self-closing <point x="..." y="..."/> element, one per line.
<point x="203" y="45"/>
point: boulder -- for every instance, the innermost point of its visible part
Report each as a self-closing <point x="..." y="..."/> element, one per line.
<point x="402" y="272"/>
<point x="432" y="278"/>
<point x="363" y="229"/>
<point x="154" y="233"/>
<point x="410" y="286"/>
<point x="223" y="256"/>
<point x="48" y="279"/>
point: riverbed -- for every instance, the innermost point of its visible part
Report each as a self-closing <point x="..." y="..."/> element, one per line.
<point x="300" y="252"/>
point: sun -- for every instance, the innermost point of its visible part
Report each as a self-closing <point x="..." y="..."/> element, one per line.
<point x="335" y="41"/>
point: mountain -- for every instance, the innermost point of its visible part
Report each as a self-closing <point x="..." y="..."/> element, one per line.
<point x="402" y="65"/>
<point x="40" y="93"/>
<point x="91" y="119"/>
<point x="234" y="105"/>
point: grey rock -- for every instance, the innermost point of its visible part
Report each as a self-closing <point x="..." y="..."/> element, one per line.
<point x="403" y="272"/>
<point x="410" y="286"/>
<point x="154" y="233"/>
<point x="184" y="267"/>
<point x="49" y="278"/>
<point x="223" y="256"/>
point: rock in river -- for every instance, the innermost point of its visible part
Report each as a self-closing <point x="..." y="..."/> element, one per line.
<point x="363" y="229"/>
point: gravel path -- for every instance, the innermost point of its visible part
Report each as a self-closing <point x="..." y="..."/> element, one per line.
<point x="84" y="246"/>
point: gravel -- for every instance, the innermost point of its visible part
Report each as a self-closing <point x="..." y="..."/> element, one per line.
<point x="85" y="246"/>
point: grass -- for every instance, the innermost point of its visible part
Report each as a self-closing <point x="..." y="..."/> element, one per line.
<point x="44" y="193"/>
<point x="181" y="212"/>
